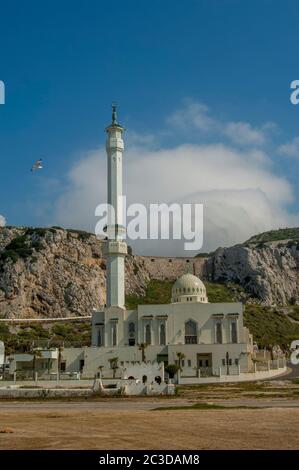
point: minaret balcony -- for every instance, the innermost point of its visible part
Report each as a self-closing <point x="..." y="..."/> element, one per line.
<point x="113" y="247"/>
<point x="114" y="143"/>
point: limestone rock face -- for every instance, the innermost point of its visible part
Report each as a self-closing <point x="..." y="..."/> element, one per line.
<point x="60" y="273"/>
<point x="269" y="271"/>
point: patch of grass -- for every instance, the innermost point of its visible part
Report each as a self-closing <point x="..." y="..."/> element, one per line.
<point x="294" y="313"/>
<point x="270" y="326"/>
<point x="159" y="292"/>
<point x="203" y="406"/>
<point x="218" y="292"/>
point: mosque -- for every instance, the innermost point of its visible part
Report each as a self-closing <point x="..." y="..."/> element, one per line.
<point x="203" y="337"/>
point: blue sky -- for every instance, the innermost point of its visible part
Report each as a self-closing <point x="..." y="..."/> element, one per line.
<point x="63" y="63"/>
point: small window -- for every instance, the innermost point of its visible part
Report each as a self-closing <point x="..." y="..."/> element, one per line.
<point x="236" y="362"/>
<point x="189" y="362"/>
<point x="183" y="363"/>
<point x="223" y="362"/>
<point x="63" y="366"/>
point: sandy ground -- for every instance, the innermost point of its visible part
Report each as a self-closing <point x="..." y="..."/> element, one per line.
<point x="92" y="428"/>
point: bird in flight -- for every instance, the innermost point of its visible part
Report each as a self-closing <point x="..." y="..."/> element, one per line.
<point x="38" y="165"/>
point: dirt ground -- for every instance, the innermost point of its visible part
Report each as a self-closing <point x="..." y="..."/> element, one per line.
<point x="273" y="428"/>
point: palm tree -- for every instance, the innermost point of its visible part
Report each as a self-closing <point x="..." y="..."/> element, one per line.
<point x="142" y="348"/>
<point x="36" y="353"/>
<point x="114" y="365"/>
<point x="180" y="357"/>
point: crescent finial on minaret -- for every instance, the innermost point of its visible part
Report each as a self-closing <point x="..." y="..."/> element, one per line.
<point x="114" y="116"/>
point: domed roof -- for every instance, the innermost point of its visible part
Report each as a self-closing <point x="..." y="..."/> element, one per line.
<point x="187" y="286"/>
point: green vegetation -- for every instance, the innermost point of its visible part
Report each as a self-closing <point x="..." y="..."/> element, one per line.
<point x="17" y="248"/>
<point x="275" y="235"/>
<point x="82" y="235"/>
<point x="203" y="406"/>
<point x="159" y="292"/>
<point x="39" y="231"/>
<point x="294" y="313"/>
<point x="205" y="254"/>
<point x="21" y="337"/>
<point x="270" y="326"/>
<point x="172" y="369"/>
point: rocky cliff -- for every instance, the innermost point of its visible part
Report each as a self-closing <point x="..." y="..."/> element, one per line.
<point x="269" y="271"/>
<point x="60" y="273"/>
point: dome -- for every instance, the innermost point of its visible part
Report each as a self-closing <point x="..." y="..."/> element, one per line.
<point x="189" y="288"/>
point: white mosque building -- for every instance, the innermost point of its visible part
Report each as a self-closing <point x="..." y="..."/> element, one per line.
<point x="206" y="338"/>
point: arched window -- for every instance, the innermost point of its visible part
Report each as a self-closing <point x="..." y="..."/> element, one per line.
<point x="131" y="331"/>
<point x="148" y="334"/>
<point x="162" y="334"/>
<point x="190" y="332"/>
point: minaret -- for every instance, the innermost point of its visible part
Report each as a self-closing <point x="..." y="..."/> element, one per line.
<point x="115" y="248"/>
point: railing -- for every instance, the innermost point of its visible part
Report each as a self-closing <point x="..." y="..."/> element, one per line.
<point x="38" y="376"/>
<point x="205" y="371"/>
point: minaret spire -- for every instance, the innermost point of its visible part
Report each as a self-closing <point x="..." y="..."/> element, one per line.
<point x="114" y="115"/>
<point x="115" y="249"/>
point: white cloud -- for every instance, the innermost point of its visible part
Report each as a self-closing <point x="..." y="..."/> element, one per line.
<point x="193" y="114"/>
<point x="240" y="192"/>
<point x="2" y="221"/>
<point x="291" y="149"/>
<point x="242" y="133"/>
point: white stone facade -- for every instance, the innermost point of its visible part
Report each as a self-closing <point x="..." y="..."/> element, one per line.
<point x="210" y="336"/>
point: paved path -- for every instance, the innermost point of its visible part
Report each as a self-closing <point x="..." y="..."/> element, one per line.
<point x="292" y="373"/>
